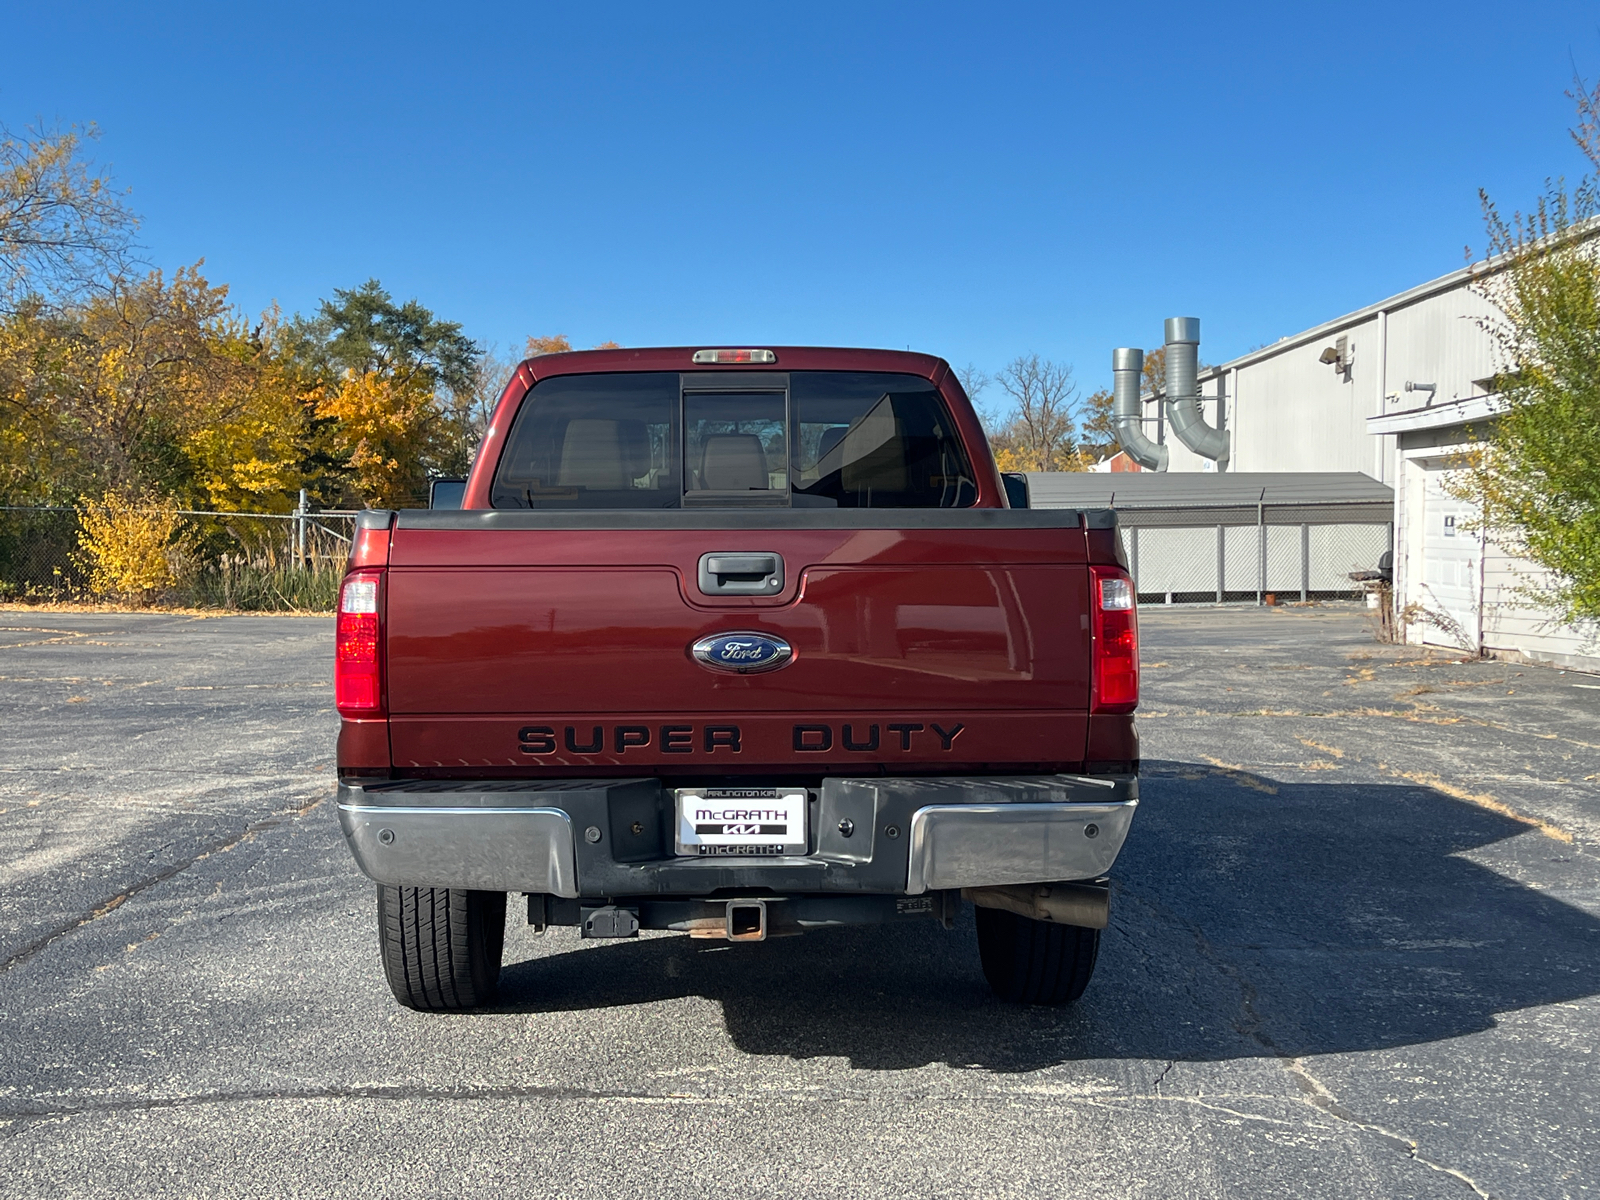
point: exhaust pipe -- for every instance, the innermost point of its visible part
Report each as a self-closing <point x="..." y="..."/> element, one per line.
<point x="1183" y="392"/>
<point x="1084" y="904"/>
<point x="1127" y="370"/>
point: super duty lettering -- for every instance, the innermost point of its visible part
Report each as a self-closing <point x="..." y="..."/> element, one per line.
<point x="691" y="739"/>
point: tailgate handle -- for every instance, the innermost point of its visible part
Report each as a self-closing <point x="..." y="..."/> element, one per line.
<point x="741" y="573"/>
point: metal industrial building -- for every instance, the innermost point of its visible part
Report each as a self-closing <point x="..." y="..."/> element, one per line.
<point x="1393" y="392"/>
<point x="1303" y="402"/>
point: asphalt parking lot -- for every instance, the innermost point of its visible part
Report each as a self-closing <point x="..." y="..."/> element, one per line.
<point x="1355" y="952"/>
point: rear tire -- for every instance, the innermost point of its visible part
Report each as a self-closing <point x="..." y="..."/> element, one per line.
<point x="441" y="947"/>
<point x="1035" y="962"/>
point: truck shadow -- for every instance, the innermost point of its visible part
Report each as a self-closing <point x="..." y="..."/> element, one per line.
<point x="1249" y="919"/>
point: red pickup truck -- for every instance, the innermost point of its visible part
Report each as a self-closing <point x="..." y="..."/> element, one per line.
<point x="740" y="643"/>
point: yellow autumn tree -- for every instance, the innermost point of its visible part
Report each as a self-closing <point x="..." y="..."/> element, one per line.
<point x="252" y="435"/>
<point x="63" y="227"/>
<point x="153" y="385"/>
<point x="559" y="343"/>
<point x="388" y="430"/>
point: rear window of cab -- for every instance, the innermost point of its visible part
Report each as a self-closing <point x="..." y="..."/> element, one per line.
<point x="800" y="439"/>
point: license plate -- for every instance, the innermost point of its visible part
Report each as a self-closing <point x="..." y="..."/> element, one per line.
<point x="741" y="821"/>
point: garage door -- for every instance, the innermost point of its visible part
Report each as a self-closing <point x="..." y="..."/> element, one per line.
<point x="1450" y="575"/>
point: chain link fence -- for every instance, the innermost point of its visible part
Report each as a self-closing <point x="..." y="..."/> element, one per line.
<point x="253" y="561"/>
<point x="1218" y="563"/>
<point x="293" y="562"/>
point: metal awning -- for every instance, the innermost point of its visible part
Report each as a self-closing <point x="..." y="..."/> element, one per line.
<point x="1179" y="498"/>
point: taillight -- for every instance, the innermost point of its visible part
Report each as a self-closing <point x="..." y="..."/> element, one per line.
<point x="357" y="674"/>
<point x="1116" y="641"/>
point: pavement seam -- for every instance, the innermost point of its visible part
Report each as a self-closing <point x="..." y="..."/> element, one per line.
<point x="112" y="903"/>
<point x="1111" y="1102"/>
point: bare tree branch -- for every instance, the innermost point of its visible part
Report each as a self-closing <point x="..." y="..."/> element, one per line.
<point x="63" y="228"/>
<point x="1042" y="431"/>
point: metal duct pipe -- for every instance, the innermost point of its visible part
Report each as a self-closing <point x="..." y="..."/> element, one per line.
<point x="1183" y="392"/>
<point x="1127" y="370"/>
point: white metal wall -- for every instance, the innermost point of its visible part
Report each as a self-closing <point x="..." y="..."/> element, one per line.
<point x="1446" y="580"/>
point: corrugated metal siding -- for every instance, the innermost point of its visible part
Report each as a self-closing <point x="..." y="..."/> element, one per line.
<point x="1293" y="413"/>
<point x="1512" y="621"/>
<point x="1162" y="500"/>
<point x="1440" y="341"/>
<point x="1328" y="514"/>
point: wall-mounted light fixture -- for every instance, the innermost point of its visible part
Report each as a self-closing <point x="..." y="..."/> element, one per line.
<point x="1340" y="356"/>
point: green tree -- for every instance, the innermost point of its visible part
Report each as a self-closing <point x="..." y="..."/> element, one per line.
<point x="397" y="392"/>
<point x="1536" y="469"/>
<point x="363" y="330"/>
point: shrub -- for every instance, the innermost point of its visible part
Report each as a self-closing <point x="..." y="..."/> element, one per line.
<point x="131" y="549"/>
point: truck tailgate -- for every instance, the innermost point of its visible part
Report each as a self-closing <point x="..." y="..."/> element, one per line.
<point x="961" y="641"/>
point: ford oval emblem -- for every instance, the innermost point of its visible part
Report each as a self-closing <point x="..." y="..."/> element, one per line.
<point x="742" y="653"/>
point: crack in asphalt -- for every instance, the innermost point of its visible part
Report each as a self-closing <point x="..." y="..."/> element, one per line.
<point x="20" y="1116"/>
<point x="112" y="903"/>
<point x="27" y="1114"/>
<point x="1155" y="1084"/>
<point x="1316" y="1094"/>
<point x="1251" y="1024"/>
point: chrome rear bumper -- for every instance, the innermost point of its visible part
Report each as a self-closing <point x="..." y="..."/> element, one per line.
<point x="983" y="845"/>
<point x="599" y="838"/>
<point x="478" y="848"/>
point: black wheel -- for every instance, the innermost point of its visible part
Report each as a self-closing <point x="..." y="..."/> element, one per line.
<point x="441" y="947"/>
<point x="1035" y="962"/>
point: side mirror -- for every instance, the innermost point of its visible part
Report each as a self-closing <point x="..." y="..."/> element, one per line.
<point x="1016" y="488"/>
<point x="446" y="493"/>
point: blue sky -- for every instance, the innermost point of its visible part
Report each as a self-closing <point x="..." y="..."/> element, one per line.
<point x="975" y="181"/>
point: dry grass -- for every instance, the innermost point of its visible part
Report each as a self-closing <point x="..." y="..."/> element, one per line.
<point x="1242" y="777"/>
<point x="74" y="606"/>
<point x="1481" y="800"/>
